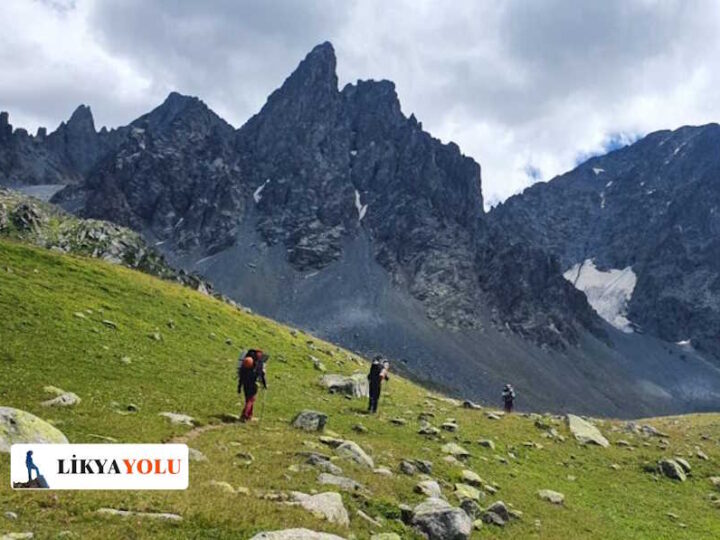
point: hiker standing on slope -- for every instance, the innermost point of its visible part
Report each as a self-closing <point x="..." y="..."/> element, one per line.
<point x="251" y="368"/>
<point x="378" y="372"/>
<point x="508" y="396"/>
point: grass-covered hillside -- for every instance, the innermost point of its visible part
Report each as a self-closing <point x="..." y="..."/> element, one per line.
<point x="165" y="348"/>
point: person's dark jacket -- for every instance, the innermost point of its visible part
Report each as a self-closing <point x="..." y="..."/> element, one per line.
<point x="249" y="376"/>
<point x="375" y="377"/>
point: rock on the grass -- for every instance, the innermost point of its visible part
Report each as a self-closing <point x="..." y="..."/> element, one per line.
<point x="438" y="520"/>
<point x="17" y="536"/>
<point x="487" y="443"/>
<point x="471" y="478"/>
<point x="161" y="516"/>
<point x="429" y="488"/>
<point x="496" y="514"/>
<point x="585" y="432"/>
<point x="342" y="482"/>
<point x="353" y="451"/>
<point x="296" y="534"/>
<point x="455" y="450"/>
<point x="672" y="469"/>
<point x="328" y="505"/>
<point x="178" y="419"/>
<point x="684" y="464"/>
<point x="310" y="420"/>
<point x="18" y="427"/>
<point x="355" y="385"/>
<point x="464" y="491"/>
<point x="196" y="455"/>
<point x="385" y="536"/>
<point x="551" y="496"/>
<point x="66" y="399"/>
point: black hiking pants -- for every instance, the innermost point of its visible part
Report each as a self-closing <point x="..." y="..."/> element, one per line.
<point x="374" y="398"/>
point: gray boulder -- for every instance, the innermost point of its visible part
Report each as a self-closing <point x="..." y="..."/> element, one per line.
<point x="438" y="520"/>
<point x="429" y="488"/>
<point x="18" y="426"/>
<point x="310" y="420"/>
<point x="352" y="450"/>
<point x="342" y="482"/>
<point x="295" y="534"/>
<point x="672" y="469"/>
<point x="328" y="505"/>
<point x="585" y="432"/>
<point x="355" y="385"/>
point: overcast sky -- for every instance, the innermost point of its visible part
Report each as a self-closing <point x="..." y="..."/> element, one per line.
<point x="524" y="87"/>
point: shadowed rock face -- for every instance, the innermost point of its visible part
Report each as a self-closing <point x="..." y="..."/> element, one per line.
<point x="315" y="168"/>
<point x="653" y="206"/>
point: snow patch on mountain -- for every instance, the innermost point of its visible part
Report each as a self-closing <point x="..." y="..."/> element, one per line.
<point x="598" y="170"/>
<point x="361" y="208"/>
<point x="257" y="195"/>
<point x="608" y="292"/>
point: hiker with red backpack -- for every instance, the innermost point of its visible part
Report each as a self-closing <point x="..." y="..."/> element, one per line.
<point x="251" y="368"/>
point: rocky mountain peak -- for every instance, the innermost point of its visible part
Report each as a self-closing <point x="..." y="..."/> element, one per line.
<point x="81" y="120"/>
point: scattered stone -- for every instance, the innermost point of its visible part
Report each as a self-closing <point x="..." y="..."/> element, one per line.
<point x="344" y="483"/>
<point x="407" y="468"/>
<point x="332" y="442"/>
<point x="437" y="520"/>
<point x="455" y="450"/>
<point x="551" y="496"/>
<point x="424" y="466"/>
<point x="196" y="455"/>
<point x="398" y="421"/>
<point x="383" y="471"/>
<point x="496" y="514"/>
<point x="449" y="426"/>
<point x="585" y="432"/>
<point x="371" y="521"/>
<point x="328" y="505"/>
<point x="110" y="324"/>
<point x="385" y="536"/>
<point x="12" y="516"/>
<point x="126" y="360"/>
<point x="701" y="455"/>
<point x="17" y="536"/>
<point x="295" y="534"/>
<point x="17" y="427"/>
<point x="355" y="385"/>
<point x="161" y="516"/>
<point x="79" y="315"/>
<point x="359" y="428"/>
<point x="494" y="415"/>
<point x="684" y="464"/>
<point x="429" y="488"/>
<point x="178" y="419"/>
<point x="471" y="508"/>
<point x="487" y="443"/>
<point x="324" y="464"/>
<point x="310" y="420"/>
<point x="672" y="469"/>
<point x="471" y="478"/>
<point x="318" y="364"/>
<point x="68" y="399"/>
<point x="467" y="404"/>
<point x="427" y="429"/>
<point x="155" y="336"/>
<point x="246" y="457"/>
<point x="353" y="451"/>
<point x="464" y="491"/>
<point x="715" y="481"/>
<point x="222" y="486"/>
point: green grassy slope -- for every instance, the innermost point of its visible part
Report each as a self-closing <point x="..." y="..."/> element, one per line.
<point x="191" y="369"/>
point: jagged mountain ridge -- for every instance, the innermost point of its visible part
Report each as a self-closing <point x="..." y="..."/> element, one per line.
<point x="323" y="165"/>
<point x="653" y="206"/>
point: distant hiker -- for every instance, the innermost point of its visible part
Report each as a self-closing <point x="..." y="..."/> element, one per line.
<point x="508" y="396"/>
<point x="378" y="372"/>
<point x="30" y="464"/>
<point x="251" y="367"/>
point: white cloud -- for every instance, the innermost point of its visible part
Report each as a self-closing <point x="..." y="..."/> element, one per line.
<point x="523" y="87"/>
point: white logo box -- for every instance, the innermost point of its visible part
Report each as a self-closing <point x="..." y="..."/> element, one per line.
<point x="101" y="466"/>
